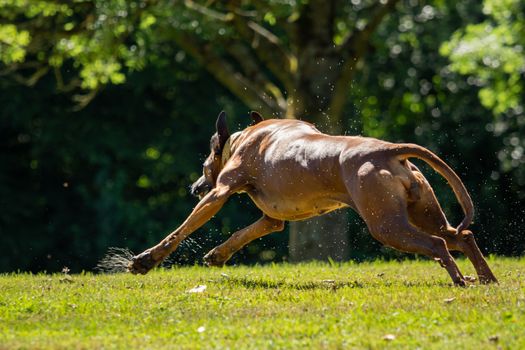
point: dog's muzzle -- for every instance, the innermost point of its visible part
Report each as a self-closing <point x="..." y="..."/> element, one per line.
<point x="200" y="187"/>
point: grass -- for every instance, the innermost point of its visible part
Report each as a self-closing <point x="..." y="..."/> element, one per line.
<point x="397" y="305"/>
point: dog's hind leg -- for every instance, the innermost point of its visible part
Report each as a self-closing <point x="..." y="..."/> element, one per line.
<point x="402" y="236"/>
<point x="222" y="253"/>
<point x="427" y="215"/>
<point x="205" y="210"/>
<point x="382" y="200"/>
<point x="466" y="243"/>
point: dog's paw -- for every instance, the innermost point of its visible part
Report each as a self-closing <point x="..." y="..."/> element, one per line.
<point x="488" y="278"/>
<point x="470" y="279"/>
<point x="142" y="263"/>
<point x="214" y="258"/>
<point x="460" y="283"/>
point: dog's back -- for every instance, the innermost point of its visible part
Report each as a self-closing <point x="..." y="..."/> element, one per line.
<point x="293" y="172"/>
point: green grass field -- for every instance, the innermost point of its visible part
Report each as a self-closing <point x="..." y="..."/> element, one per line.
<point x="398" y="305"/>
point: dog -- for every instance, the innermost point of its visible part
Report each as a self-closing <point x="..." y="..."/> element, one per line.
<point x="292" y="172"/>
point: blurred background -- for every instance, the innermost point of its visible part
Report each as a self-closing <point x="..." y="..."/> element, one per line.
<point x="107" y="107"/>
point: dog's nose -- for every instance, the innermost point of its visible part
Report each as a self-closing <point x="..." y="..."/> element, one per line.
<point x="193" y="190"/>
<point x="200" y="187"/>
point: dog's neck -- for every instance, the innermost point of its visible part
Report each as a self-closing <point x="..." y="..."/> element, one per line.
<point x="228" y="148"/>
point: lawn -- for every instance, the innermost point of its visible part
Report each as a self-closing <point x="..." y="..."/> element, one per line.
<point x="395" y="305"/>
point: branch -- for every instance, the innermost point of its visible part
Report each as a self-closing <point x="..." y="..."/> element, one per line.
<point x="316" y="22"/>
<point x="206" y="11"/>
<point x="82" y="100"/>
<point x="361" y="36"/>
<point x="253" y="72"/>
<point x="70" y="86"/>
<point x="353" y="48"/>
<point x="33" y="79"/>
<point x="226" y="74"/>
<point x="12" y="68"/>
<point x="268" y="48"/>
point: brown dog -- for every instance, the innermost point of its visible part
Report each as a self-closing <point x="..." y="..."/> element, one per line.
<point x="294" y="172"/>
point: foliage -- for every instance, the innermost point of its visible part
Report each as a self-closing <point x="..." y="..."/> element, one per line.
<point x="116" y="173"/>
<point x="406" y="91"/>
<point x="95" y="35"/>
<point x="107" y="112"/>
<point x="491" y="54"/>
<point x="258" y="50"/>
<point x="274" y="306"/>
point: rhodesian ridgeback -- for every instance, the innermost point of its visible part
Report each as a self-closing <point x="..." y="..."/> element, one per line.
<point x="292" y="171"/>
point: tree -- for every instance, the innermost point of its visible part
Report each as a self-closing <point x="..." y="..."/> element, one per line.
<point x="83" y="173"/>
<point x="492" y="54"/>
<point x="293" y="60"/>
<point x="285" y="59"/>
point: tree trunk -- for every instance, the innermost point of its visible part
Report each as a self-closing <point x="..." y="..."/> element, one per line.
<point x="325" y="236"/>
<point x="314" y="74"/>
<point x="320" y="238"/>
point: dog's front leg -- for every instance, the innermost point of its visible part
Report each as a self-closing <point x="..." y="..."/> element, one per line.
<point x="203" y="212"/>
<point x="265" y="225"/>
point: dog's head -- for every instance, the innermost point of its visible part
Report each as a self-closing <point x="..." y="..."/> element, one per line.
<point x="213" y="164"/>
<point x="219" y="149"/>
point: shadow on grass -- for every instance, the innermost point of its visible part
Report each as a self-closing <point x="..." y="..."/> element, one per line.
<point x="254" y="283"/>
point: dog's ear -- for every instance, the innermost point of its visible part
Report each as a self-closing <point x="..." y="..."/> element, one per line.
<point x="256" y="117"/>
<point x="222" y="129"/>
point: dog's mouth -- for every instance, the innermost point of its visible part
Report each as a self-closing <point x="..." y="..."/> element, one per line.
<point x="200" y="194"/>
<point x="200" y="188"/>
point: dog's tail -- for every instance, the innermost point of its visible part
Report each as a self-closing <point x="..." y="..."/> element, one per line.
<point x="409" y="150"/>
